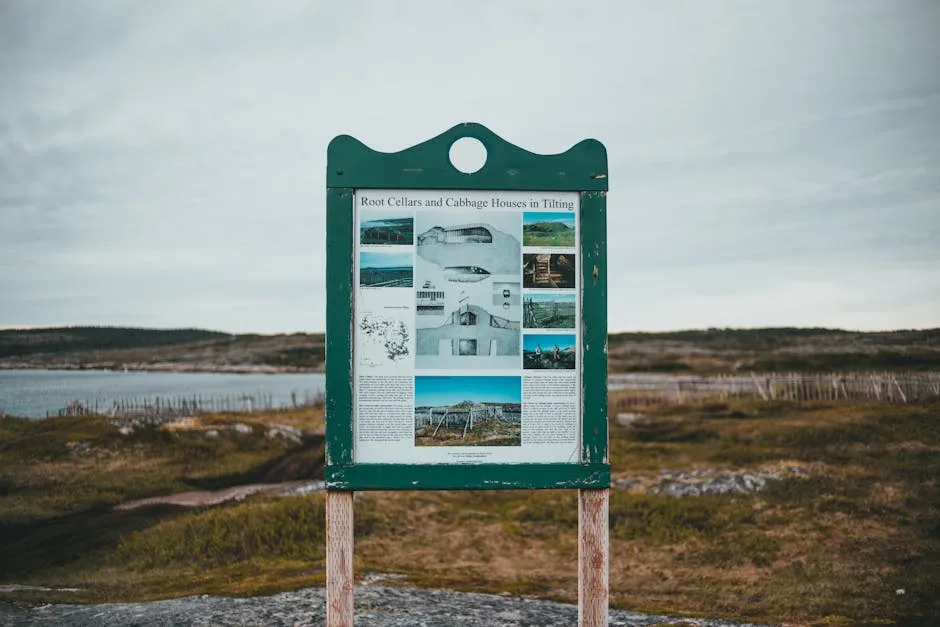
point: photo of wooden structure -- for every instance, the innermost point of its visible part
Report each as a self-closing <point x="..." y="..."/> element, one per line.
<point x="548" y="271"/>
<point x="468" y="252"/>
<point x="429" y="299"/>
<point x="470" y="330"/>
<point x="376" y="230"/>
<point x="458" y="234"/>
<point x="455" y="425"/>
<point x="551" y="313"/>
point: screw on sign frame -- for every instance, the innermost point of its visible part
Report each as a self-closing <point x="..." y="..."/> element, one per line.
<point x="354" y="168"/>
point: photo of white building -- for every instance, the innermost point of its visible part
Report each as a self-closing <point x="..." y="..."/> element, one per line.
<point x="469" y="306"/>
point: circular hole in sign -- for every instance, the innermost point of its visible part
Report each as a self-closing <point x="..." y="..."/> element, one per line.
<point x="468" y="154"/>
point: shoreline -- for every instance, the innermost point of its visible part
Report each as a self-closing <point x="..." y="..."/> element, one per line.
<point x="166" y="367"/>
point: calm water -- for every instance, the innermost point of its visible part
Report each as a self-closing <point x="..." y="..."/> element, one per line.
<point x="32" y="393"/>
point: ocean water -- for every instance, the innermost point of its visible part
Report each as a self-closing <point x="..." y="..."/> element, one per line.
<point x="36" y="393"/>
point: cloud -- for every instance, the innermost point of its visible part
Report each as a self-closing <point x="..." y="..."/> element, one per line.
<point x="162" y="164"/>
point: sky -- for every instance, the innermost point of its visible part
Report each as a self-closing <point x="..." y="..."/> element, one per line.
<point x="385" y="259"/>
<point x="440" y="391"/>
<point x="774" y="163"/>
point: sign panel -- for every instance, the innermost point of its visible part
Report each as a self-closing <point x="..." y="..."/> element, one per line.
<point x="466" y="327"/>
<point x="466" y="317"/>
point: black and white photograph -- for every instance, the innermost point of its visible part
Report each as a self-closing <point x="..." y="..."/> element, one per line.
<point x="468" y="411"/>
<point x="469" y="246"/>
<point x="468" y="301"/>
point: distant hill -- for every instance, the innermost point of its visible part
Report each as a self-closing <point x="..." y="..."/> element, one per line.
<point x="21" y="342"/>
<point x="157" y="349"/>
<point x="774" y="349"/>
<point x="706" y="351"/>
<point x="547" y="227"/>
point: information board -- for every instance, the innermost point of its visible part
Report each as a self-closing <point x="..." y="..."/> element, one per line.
<point x="466" y="317"/>
<point x="466" y="338"/>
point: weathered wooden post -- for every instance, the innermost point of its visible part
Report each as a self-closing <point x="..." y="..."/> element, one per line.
<point x="339" y="558"/>
<point x="516" y="224"/>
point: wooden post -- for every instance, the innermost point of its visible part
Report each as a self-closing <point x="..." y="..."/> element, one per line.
<point x="760" y="389"/>
<point x="339" y="559"/>
<point x="593" y="557"/>
<point x="900" y="391"/>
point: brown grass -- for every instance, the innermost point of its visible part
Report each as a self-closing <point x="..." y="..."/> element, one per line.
<point x="827" y="548"/>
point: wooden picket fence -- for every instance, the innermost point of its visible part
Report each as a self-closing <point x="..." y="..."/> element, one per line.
<point x="887" y="387"/>
<point x="160" y="409"/>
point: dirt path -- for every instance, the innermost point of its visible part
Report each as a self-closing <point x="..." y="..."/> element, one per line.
<point x="205" y="498"/>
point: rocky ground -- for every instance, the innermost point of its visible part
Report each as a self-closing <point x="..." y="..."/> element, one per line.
<point x="707" y="481"/>
<point x="692" y="483"/>
<point x="376" y="606"/>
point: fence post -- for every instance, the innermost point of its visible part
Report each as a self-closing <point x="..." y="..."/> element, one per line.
<point x="900" y="391"/>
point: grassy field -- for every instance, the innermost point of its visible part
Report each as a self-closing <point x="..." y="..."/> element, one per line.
<point x="486" y="432"/>
<point x="386" y="277"/>
<point x="547" y="234"/>
<point x="831" y="546"/>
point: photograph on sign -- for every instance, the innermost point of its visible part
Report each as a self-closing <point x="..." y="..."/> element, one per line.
<point x="548" y="311"/>
<point x="549" y="351"/>
<point x="474" y="263"/>
<point x="468" y="411"/>
<point x="385" y="269"/>
<point x="544" y="228"/>
<point x="466" y="364"/>
<point x="388" y="228"/>
<point x="549" y="271"/>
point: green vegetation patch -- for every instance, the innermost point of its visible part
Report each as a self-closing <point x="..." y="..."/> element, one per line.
<point x="291" y="528"/>
<point x="547" y="233"/>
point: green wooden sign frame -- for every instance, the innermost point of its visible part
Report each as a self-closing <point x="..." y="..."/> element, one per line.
<point x="352" y="165"/>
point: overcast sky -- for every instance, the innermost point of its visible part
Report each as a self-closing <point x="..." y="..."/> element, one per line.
<point x="162" y="164"/>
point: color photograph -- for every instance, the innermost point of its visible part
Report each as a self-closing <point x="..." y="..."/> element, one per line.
<point x="544" y="228"/>
<point x="468" y="411"/>
<point x="549" y="351"/>
<point x="548" y="311"/>
<point x="382" y="269"/>
<point x="548" y="271"/>
<point x="378" y="228"/>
